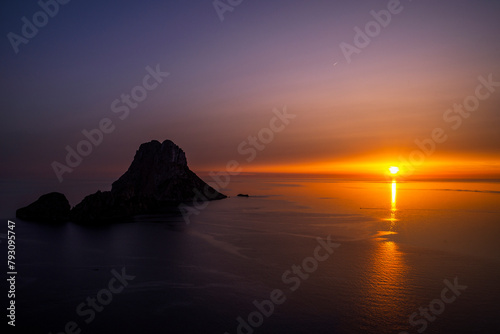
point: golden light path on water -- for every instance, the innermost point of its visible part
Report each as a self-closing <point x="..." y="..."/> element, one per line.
<point x="393" y="219"/>
<point x="387" y="271"/>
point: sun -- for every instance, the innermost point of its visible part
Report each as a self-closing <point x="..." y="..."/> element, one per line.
<point x="394" y="170"/>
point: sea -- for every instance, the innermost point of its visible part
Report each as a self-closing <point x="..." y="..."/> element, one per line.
<point x="298" y="255"/>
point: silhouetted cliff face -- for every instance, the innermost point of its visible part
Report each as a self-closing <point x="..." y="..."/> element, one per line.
<point x="158" y="178"/>
<point x="159" y="172"/>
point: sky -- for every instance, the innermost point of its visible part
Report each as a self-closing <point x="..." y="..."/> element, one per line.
<point x="354" y="112"/>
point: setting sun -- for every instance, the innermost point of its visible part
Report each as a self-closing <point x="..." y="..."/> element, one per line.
<point x="394" y="170"/>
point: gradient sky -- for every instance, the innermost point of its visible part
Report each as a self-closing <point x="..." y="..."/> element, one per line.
<point x="226" y="78"/>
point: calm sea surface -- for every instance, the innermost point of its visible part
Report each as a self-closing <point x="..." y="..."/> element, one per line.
<point x="402" y="257"/>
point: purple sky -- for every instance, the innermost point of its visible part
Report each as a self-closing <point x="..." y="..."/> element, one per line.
<point x="226" y="78"/>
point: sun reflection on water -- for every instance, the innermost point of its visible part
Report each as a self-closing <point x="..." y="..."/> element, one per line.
<point x="393" y="203"/>
<point x="393" y="218"/>
<point x="385" y="297"/>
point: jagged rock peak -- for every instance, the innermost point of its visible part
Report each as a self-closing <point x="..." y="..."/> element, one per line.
<point x="160" y="153"/>
<point x="159" y="171"/>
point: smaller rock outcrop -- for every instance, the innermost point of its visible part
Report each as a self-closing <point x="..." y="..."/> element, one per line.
<point x="96" y="207"/>
<point x="53" y="207"/>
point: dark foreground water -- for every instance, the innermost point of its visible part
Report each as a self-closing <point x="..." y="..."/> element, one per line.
<point x="403" y="257"/>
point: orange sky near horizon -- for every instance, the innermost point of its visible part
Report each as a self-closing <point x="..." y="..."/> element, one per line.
<point x="449" y="169"/>
<point x="433" y="170"/>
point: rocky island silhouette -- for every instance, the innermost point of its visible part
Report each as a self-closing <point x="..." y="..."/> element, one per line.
<point x="158" y="179"/>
